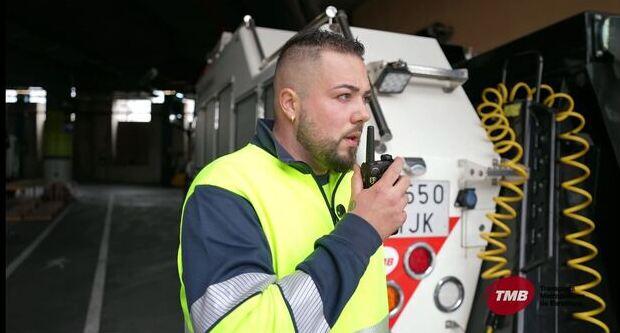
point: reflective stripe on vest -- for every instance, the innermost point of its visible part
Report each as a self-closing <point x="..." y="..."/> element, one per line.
<point x="282" y="196"/>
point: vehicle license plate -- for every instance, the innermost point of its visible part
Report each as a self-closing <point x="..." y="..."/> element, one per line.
<point x="428" y="209"/>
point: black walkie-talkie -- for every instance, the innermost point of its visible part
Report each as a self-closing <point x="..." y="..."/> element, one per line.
<point x="373" y="170"/>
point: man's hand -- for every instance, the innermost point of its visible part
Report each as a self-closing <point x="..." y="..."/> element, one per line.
<point x="383" y="204"/>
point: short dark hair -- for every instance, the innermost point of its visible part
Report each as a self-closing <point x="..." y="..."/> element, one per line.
<point x="309" y="44"/>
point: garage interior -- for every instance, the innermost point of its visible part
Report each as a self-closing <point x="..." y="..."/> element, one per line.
<point x="100" y="116"/>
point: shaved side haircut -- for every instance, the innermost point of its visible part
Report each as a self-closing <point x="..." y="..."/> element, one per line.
<point x="307" y="46"/>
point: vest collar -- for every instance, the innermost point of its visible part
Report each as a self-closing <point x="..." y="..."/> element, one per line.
<point x="264" y="139"/>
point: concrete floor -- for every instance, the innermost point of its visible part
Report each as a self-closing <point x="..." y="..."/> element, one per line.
<point x="51" y="290"/>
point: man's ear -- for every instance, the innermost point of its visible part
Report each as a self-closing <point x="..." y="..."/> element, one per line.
<point x="290" y="103"/>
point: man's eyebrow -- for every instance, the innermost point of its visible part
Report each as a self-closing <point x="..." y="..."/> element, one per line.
<point x="353" y="88"/>
<point x="348" y="86"/>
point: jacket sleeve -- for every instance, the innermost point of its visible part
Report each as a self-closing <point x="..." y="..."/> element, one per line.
<point x="228" y="276"/>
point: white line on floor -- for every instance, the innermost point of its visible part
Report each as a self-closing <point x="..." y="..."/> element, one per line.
<point x="24" y="255"/>
<point x="93" y="316"/>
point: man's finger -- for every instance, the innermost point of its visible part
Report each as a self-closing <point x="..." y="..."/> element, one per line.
<point x="392" y="173"/>
<point x="403" y="184"/>
<point x="403" y="202"/>
<point x="356" y="181"/>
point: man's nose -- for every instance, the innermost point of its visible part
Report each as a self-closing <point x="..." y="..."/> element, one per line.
<point x="362" y="113"/>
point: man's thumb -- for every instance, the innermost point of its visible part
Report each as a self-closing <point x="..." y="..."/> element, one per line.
<point x="356" y="181"/>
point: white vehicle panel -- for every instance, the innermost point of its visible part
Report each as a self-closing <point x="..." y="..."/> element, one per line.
<point x="426" y="121"/>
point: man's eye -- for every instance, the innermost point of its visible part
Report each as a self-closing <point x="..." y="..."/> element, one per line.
<point x="366" y="99"/>
<point x="344" y="97"/>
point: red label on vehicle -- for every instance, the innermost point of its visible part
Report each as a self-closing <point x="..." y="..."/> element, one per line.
<point x="509" y="295"/>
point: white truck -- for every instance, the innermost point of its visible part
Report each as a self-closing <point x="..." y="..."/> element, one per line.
<point x="432" y="263"/>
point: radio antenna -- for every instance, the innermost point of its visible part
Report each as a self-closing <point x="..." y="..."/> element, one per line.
<point x="370" y="144"/>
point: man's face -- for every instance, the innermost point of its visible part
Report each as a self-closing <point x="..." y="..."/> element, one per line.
<point x="333" y="110"/>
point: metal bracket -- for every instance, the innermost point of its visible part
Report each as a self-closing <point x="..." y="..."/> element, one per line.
<point x="471" y="171"/>
<point x="455" y="77"/>
<point x="248" y="22"/>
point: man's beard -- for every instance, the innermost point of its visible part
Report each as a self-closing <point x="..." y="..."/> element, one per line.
<point x="324" y="151"/>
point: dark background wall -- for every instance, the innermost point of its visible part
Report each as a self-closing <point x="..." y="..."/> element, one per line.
<point x="481" y="24"/>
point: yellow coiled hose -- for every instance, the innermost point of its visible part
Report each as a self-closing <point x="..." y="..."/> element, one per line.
<point x="503" y="137"/>
<point x="573" y="211"/>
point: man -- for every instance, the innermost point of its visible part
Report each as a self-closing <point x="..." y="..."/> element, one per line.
<point x="266" y="242"/>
